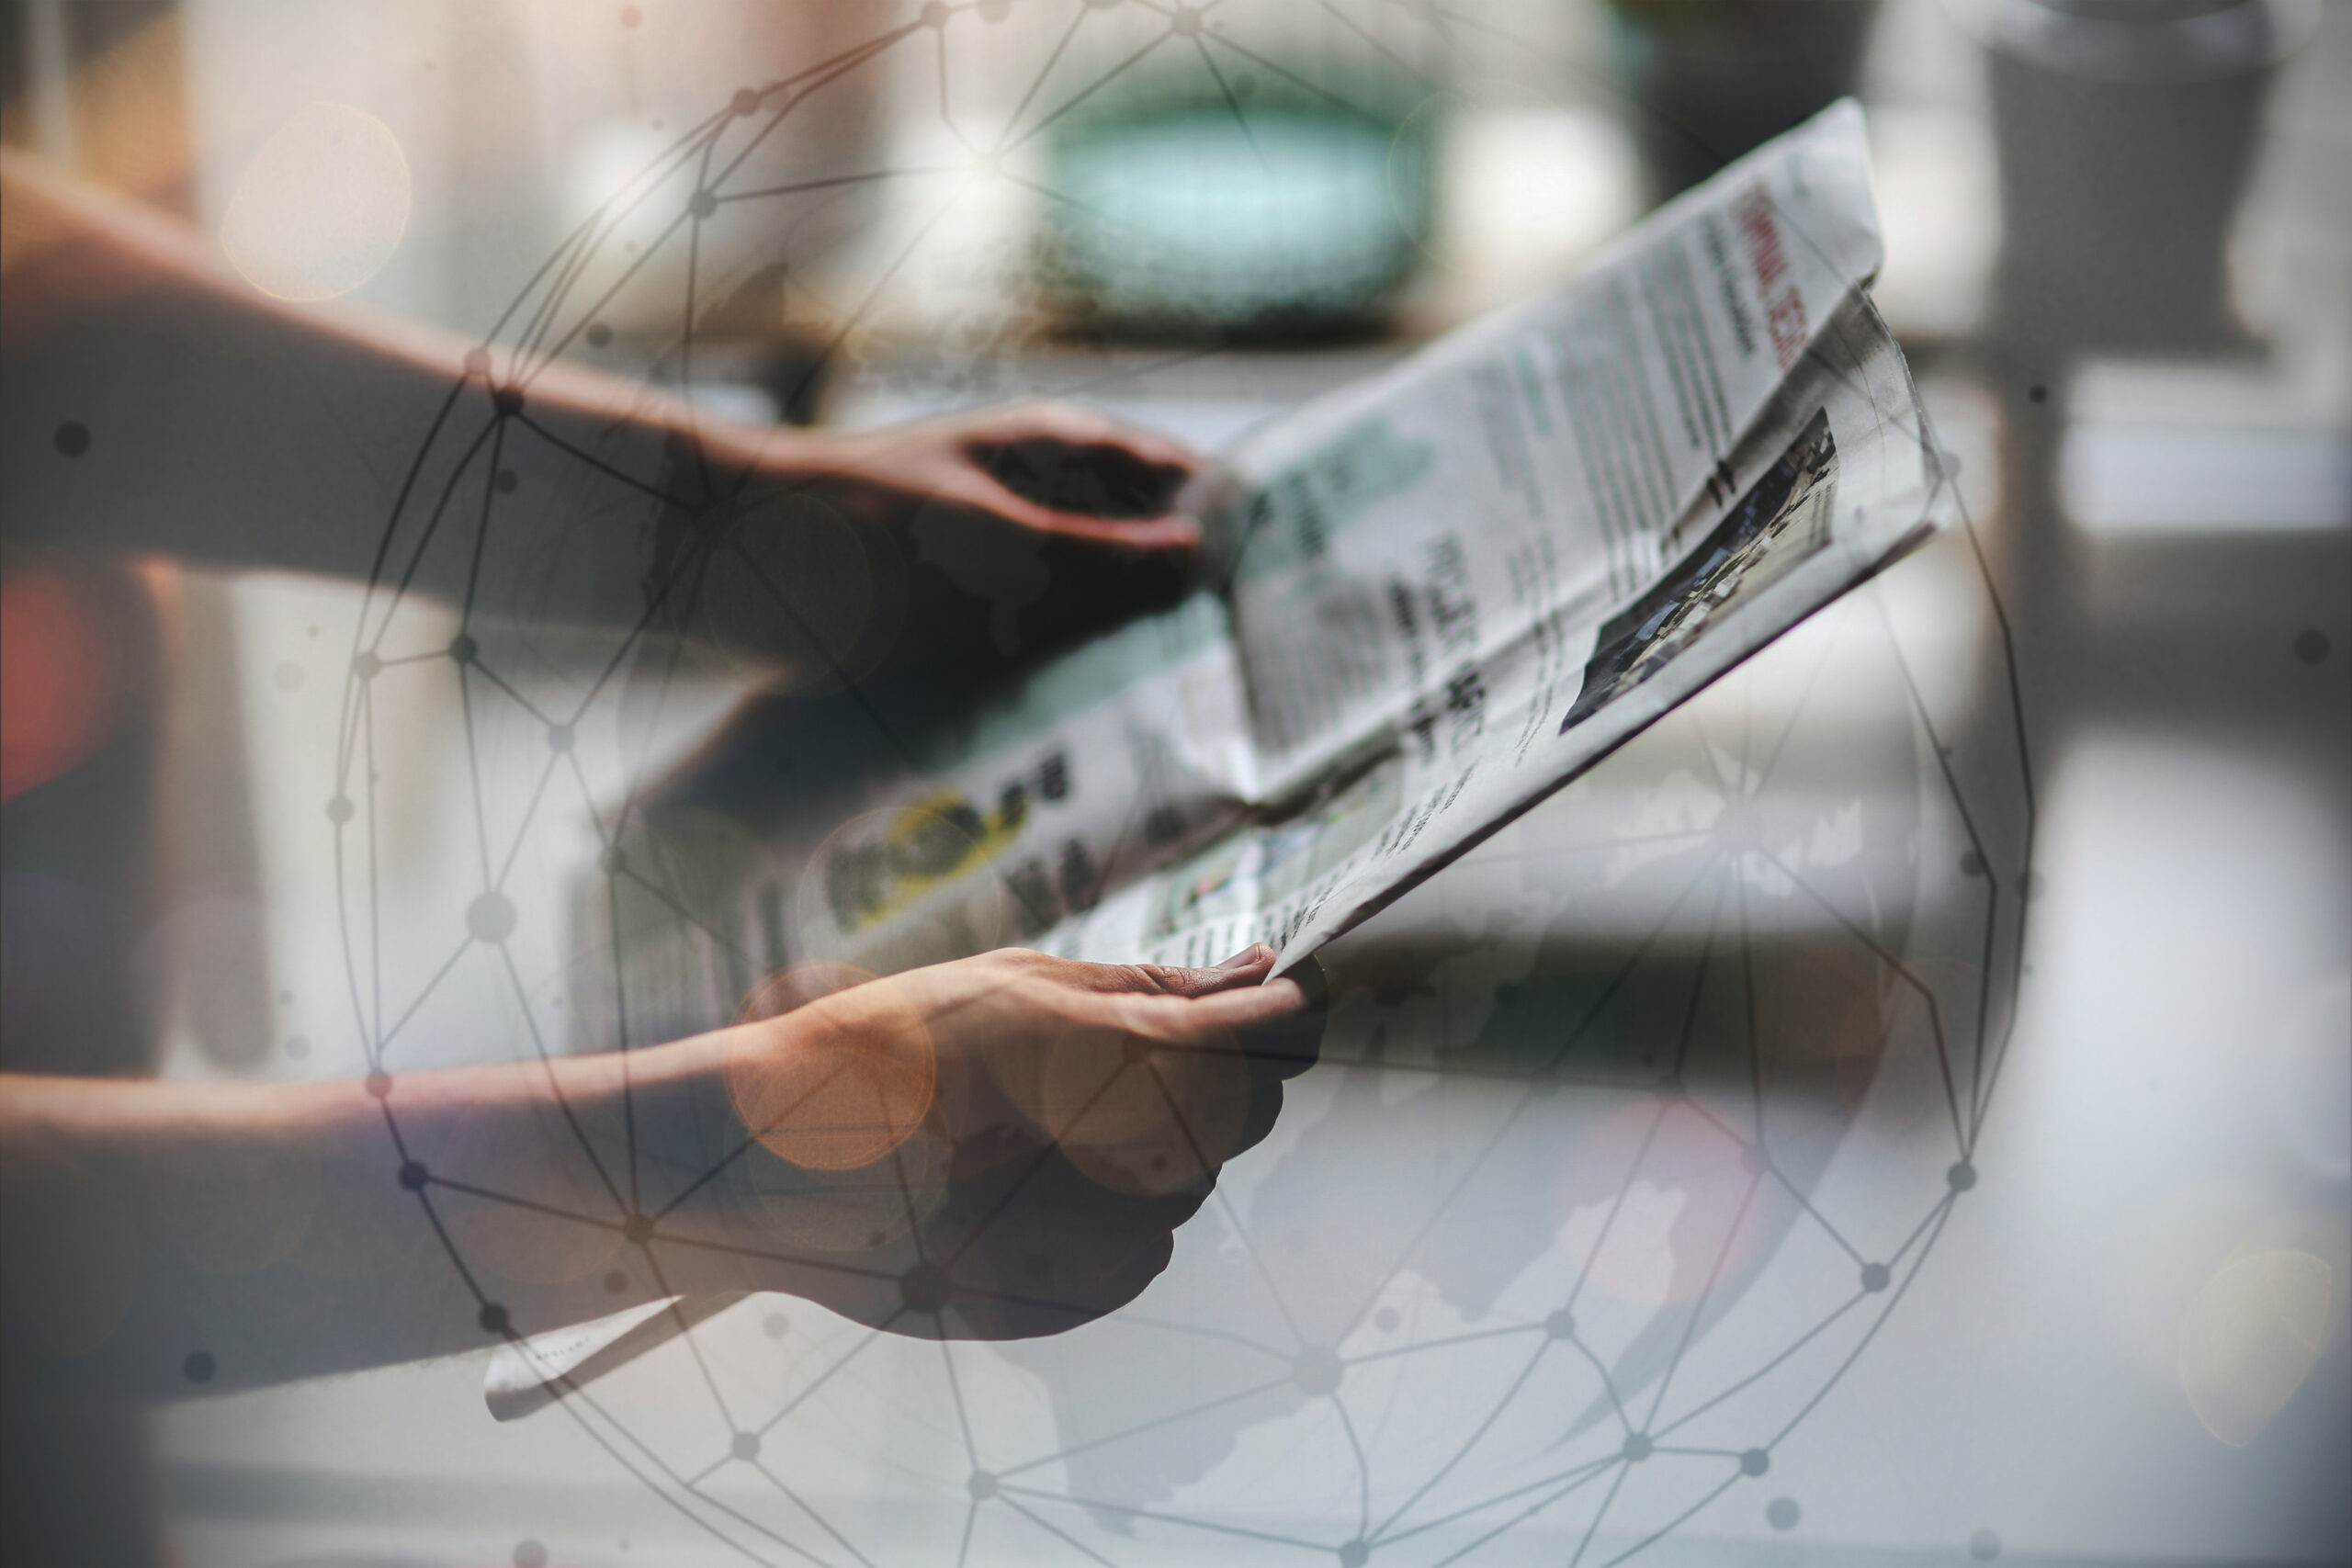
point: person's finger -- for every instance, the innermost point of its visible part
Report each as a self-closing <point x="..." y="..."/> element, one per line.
<point x="1245" y="967"/>
<point x="978" y="489"/>
<point x="1077" y="426"/>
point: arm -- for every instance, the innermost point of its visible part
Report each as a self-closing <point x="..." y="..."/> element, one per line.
<point x="155" y="403"/>
<point x="1059" y="1120"/>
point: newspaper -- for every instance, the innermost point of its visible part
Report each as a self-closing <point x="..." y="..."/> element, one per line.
<point x="1443" y="593"/>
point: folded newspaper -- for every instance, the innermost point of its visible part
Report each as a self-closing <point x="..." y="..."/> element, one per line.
<point x="1444" y="593"/>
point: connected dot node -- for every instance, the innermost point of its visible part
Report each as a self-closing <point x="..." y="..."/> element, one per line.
<point x="612" y="861"/>
<point x="1561" y="1324"/>
<point x="744" y="102"/>
<point x="490" y="918"/>
<point x="1960" y="1176"/>
<point x="477" y="361"/>
<point x="507" y="401"/>
<point x="1755" y="1462"/>
<point x="367" y="666"/>
<point x="199" y="1367"/>
<point x="492" y="1318"/>
<point x="1781" y="1513"/>
<point x="505" y="481"/>
<point x="1754" y="1160"/>
<point x="1875" y="1276"/>
<point x="559" y="737"/>
<point x="464" y="649"/>
<point x="339" y="810"/>
<point x="746" y="1446"/>
<point x="1638" y="1447"/>
<point x="703" y="203"/>
<point x="379" y="1084"/>
<point x="598" y="334"/>
<point x="1318" y="1371"/>
<point x="1971" y="864"/>
<point x="1355" y="1554"/>
<point x="1185" y="22"/>
<point x="981" y="1484"/>
<point x="2037" y="393"/>
<point x="73" y="438"/>
<point x="638" y="1229"/>
<point x="924" y="1288"/>
<point x="413" y="1174"/>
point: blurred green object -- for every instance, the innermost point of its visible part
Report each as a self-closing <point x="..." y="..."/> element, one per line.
<point x="1252" y="205"/>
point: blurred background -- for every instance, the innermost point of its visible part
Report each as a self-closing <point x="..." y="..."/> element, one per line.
<point x="2118" y="243"/>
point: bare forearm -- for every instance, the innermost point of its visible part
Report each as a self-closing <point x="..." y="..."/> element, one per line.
<point x="161" y="1238"/>
<point x="155" y="403"/>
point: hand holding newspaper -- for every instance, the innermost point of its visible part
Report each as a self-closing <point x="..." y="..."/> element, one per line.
<point x="1444" y="593"/>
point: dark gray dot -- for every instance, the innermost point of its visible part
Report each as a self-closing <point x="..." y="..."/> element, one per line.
<point x="413" y="1174"/>
<point x="492" y="1318"/>
<point x="199" y="1366"/>
<point x="367" y="666"/>
<point x="744" y="102"/>
<point x="506" y="480"/>
<point x="490" y="918"/>
<point x="746" y="1446"/>
<point x="507" y="401"/>
<point x="599" y="334"/>
<point x="2311" y="644"/>
<point x="1355" y="1554"/>
<point x="1875" y="1277"/>
<point x="1960" y="1176"/>
<point x="616" y="1281"/>
<point x="73" y="438"/>
<point x="463" y="648"/>
<point x="1755" y="1462"/>
<point x="1971" y="864"/>
<point x="1638" y="1447"/>
<point x="1985" y="1546"/>
<point x="1781" y="1513"/>
<point x="2037" y="393"/>
<point x="530" y="1554"/>
<point x="702" y="204"/>
<point x="339" y="810"/>
<point x="924" y="1288"/>
<point x="1318" y="1371"/>
<point x="638" y="1229"/>
<point x="981" y="1484"/>
<point x="1561" y="1324"/>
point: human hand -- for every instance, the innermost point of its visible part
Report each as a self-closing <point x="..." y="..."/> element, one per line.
<point x="996" y="1147"/>
<point x="999" y="532"/>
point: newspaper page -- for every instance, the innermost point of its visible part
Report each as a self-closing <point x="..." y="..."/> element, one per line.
<point x="1461" y="584"/>
<point x="1447" y="592"/>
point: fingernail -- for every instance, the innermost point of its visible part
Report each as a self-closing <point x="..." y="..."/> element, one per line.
<point x="1249" y="957"/>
